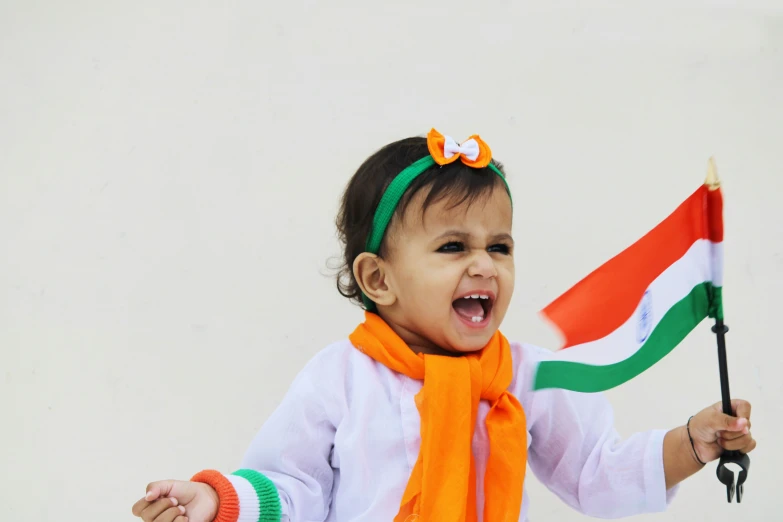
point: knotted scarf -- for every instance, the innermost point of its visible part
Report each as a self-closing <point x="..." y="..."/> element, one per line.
<point x="442" y="485"/>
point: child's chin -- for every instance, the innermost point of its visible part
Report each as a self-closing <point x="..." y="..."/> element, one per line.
<point x="471" y="345"/>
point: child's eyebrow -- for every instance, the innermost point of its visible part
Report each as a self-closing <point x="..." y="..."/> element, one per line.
<point x="503" y="237"/>
<point x="453" y="233"/>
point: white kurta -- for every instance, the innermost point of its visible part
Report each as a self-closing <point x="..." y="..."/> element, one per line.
<point x="342" y="444"/>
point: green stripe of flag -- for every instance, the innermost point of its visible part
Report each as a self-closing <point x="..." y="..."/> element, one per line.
<point x="673" y="327"/>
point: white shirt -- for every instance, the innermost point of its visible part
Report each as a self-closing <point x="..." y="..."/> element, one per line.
<point x="342" y="444"/>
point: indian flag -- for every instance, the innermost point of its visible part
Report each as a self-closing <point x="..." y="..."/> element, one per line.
<point x="637" y="307"/>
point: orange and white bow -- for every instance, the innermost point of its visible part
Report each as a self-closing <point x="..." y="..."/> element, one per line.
<point x="444" y="150"/>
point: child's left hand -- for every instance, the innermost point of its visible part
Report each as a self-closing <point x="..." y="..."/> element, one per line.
<point x="714" y="432"/>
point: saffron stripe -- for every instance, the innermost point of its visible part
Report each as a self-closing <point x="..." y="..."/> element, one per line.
<point x="667" y="290"/>
<point x="678" y="322"/>
<point x="228" y="509"/>
<point x="616" y="287"/>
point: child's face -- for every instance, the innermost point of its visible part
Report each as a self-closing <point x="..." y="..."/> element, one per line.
<point x="437" y="263"/>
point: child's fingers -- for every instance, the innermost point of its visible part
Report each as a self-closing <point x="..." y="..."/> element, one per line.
<point x="154" y="510"/>
<point x="140" y="506"/>
<point x="170" y="514"/>
<point x="732" y="435"/>
<point x="741" y="408"/>
<point x="720" y="422"/>
<point x="159" y="489"/>
<point x="741" y="443"/>
<point x="143" y="503"/>
<point x="153" y="493"/>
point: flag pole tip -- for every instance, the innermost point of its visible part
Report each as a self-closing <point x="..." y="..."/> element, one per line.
<point x="712" y="181"/>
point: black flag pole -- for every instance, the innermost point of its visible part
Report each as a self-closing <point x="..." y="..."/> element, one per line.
<point x="726" y="475"/>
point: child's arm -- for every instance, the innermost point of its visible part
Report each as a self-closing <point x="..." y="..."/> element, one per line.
<point x="292" y="450"/>
<point x="286" y="473"/>
<point x="577" y="453"/>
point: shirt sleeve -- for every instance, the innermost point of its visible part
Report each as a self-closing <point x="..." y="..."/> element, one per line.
<point x="286" y="472"/>
<point x="577" y="454"/>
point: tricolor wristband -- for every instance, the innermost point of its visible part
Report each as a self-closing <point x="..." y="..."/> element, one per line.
<point x="244" y="496"/>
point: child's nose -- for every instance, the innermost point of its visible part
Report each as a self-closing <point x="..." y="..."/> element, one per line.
<point x="482" y="265"/>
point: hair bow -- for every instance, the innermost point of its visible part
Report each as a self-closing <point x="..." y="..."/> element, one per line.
<point x="472" y="152"/>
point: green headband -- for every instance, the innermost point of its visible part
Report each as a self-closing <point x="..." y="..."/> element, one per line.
<point x="391" y="198"/>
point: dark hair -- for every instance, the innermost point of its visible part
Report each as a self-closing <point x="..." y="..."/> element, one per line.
<point x="455" y="181"/>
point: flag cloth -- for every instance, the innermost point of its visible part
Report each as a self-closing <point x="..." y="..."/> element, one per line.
<point x="637" y="307"/>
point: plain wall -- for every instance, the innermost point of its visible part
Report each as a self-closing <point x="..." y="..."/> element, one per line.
<point x="170" y="172"/>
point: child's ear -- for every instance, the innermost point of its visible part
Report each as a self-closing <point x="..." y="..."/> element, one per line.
<point x="369" y="271"/>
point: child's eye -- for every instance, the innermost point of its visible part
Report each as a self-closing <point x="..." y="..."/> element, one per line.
<point x="451" y="247"/>
<point x="500" y="248"/>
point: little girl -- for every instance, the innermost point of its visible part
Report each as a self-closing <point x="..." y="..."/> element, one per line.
<point x="425" y="412"/>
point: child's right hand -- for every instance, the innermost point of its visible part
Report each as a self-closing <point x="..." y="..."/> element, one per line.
<point x="177" y="501"/>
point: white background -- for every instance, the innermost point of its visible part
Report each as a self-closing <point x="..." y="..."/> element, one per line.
<point x="170" y="172"/>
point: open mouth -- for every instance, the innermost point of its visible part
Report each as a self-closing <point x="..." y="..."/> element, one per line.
<point x="474" y="309"/>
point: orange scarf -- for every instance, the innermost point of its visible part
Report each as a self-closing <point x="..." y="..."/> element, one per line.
<point x="442" y="485"/>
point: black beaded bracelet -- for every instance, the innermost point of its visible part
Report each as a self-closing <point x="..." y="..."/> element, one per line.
<point x="688" y="428"/>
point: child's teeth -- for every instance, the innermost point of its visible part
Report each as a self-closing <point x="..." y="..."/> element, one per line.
<point x="477" y="319"/>
<point x="484" y="296"/>
<point x="474" y="296"/>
